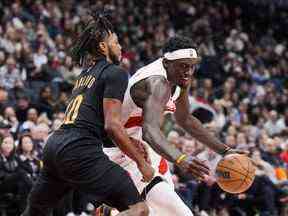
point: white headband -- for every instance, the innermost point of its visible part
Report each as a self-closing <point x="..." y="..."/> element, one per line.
<point x="181" y="53"/>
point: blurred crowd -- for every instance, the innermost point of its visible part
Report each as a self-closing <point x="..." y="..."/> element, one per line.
<point x="240" y="90"/>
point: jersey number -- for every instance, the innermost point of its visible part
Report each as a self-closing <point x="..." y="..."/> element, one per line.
<point x="73" y="109"/>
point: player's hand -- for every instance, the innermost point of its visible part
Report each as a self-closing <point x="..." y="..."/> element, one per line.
<point x="209" y="180"/>
<point x="197" y="168"/>
<point x="147" y="171"/>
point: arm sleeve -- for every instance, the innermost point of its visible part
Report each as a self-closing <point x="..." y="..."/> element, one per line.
<point x="115" y="84"/>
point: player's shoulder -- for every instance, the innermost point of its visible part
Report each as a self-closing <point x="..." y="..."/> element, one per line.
<point x="116" y="72"/>
<point x="154" y="68"/>
<point x="155" y="65"/>
<point x="115" y="68"/>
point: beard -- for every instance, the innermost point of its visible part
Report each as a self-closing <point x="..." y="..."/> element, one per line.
<point x="114" y="58"/>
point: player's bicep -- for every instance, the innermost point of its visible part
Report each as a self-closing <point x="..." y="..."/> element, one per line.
<point x="115" y="84"/>
<point x="157" y="98"/>
<point x="112" y="111"/>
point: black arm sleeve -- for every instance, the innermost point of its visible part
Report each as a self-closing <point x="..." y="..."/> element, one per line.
<point x="116" y="82"/>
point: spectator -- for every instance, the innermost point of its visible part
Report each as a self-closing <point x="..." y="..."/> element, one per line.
<point x="12" y="179"/>
<point x="208" y="191"/>
<point x="39" y="137"/>
<point x="31" y="120"/>
<point x="187" y="185"/>
<point x="230" y="141"/>
<point x="8" y="167"/>
<point x="282" y="123"/>
<point x="45" y="102"/>
<point x="9" y="74"/>
<point x="29" y="165"/>
<point x="10" y="115"/>
<point x="264" y="168"/>
<point x="241" y="140"/>
<point x="22" y="107"/>
<point x="39" y="57"/>
<point x="271" y="125"/>
<point x="3" y="98"/>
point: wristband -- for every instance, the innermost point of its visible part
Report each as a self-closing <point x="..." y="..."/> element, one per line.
<point x="181" y="158"/>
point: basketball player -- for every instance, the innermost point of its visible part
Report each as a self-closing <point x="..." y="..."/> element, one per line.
<point x="154" y="89"/>
<point x="73" y="156"/>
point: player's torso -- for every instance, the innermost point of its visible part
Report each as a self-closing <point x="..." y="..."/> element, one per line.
<point x="132" y="115"/>
<point x="85" y="107"/>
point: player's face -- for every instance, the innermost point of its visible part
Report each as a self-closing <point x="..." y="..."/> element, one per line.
<point x="114" y="48"/>
<point x="180" y="71"/>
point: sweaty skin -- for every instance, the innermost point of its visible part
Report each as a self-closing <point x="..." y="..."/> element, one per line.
<point x="152" y="95"/>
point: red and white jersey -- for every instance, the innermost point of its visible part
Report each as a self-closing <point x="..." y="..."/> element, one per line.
<point x="131" y="113"/>
<point x="132" y="116"/>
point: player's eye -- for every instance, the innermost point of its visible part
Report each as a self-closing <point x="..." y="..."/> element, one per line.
<point x="184" y="66"/>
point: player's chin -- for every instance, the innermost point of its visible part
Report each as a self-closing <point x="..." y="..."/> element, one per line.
<point x="183" y="84"/>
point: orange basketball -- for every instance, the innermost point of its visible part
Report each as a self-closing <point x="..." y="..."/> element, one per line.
<point x="235" y="173"/>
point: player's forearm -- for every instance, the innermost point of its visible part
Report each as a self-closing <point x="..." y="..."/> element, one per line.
<point x="157" y="141"/>
<point x="195" y="128"/>
<point x="118" y="134"/>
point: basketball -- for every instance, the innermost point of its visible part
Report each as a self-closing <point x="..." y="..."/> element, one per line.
<point x="235" y="173"/>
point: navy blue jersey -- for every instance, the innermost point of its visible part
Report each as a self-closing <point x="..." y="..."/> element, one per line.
<point x="85" y="108"/>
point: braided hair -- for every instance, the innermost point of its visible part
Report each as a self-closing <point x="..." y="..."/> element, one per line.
<point x="87" y="44"/>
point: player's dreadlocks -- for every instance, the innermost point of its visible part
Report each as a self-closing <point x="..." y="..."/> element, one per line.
<point x="97" y="28"/>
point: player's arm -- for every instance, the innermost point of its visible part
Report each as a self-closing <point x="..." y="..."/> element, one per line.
<point x="156" y="98"/>
<point x="116" y="131"/>
<point x="115" y="87"/>
<point x="153" y="102"/>
<point x="194" y="127"/>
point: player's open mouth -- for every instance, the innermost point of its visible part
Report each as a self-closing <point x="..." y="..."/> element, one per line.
<point x="184" y="80"/>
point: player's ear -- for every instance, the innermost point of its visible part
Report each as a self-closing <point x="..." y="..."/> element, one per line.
<point x="103" y="47"/>
<point x="165" y="62"/>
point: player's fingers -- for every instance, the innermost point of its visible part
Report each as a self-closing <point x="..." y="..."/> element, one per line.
<point x="201" y="163"/>
<point x="254" y="162"/>
<point x="197" y="175"/>
<point x="199" y="170"/>
<point x="201" y="167"/>
<point x="242" y="152"/>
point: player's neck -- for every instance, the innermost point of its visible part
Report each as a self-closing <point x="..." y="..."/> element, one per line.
<point x="108" y="59"/>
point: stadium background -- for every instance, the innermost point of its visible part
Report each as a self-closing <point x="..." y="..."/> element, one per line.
<point x="240" y="90"/>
